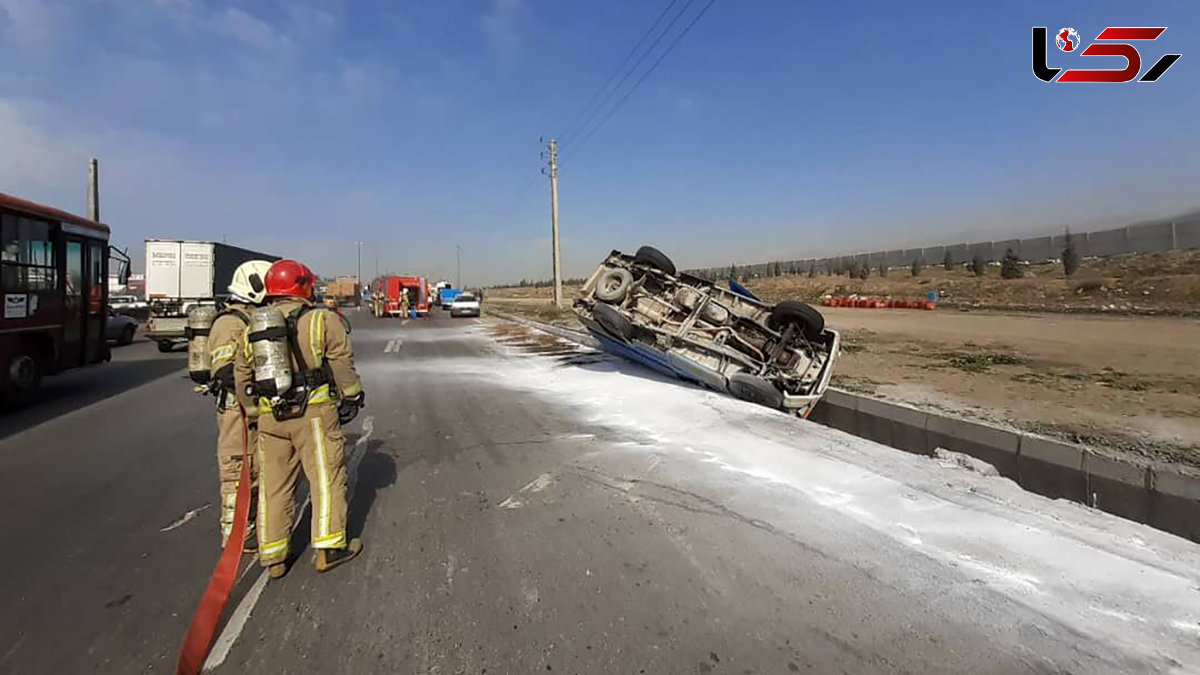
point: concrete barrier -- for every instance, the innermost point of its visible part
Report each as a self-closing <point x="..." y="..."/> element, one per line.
<point x="1164" y="498"/>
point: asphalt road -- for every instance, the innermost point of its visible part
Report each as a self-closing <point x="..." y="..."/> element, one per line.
<point x="530" y="508"/>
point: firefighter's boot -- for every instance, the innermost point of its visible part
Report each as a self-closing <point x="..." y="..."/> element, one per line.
<point x="277" y="570"/>
<point x="329" y="558"/>
<point x="250" y="544"/>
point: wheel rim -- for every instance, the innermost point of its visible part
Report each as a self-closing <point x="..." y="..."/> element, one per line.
<point x="23" y="372"/>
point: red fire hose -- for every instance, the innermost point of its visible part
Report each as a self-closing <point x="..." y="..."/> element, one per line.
<point x="202" y="632"/>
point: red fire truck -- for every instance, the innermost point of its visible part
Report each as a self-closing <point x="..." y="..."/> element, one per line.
<point x="54" y="268"/>
<point x="416" y="288"/>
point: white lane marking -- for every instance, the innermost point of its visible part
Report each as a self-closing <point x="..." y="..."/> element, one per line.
<point x="393" y="346"/>
<point x="184" y="518"/>
<point x="404" y="322"/>
<point x="237" y="620"/>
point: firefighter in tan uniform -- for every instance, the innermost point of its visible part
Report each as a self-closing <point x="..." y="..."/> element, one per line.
<point x="300" y="425"/>
<point x="224" y="339"/>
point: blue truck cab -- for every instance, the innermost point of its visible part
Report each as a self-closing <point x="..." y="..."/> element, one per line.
<point x="447" y="295"/>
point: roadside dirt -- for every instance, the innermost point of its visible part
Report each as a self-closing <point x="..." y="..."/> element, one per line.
<point x="1129" y="385"/>
<point x="1125" y="385"/>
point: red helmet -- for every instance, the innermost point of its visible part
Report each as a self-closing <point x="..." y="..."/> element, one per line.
<point x="289" y="278"/>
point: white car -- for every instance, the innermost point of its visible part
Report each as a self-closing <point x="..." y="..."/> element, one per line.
<point x="122" y="303"/>
<point x="465" y="304"/>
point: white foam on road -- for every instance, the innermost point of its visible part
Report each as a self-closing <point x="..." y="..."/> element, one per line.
<point x="1119" y="582"/>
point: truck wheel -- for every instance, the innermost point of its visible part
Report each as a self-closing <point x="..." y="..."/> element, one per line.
<point x="127" y="335"/>
<point x="810" y="322"/>
<point x="613" y="285"/>
<point x="648" y="255"/>
<point x="165" y="346"/>
<point x="613" y="321"/>
<point x="24" y="377"/>
<point x="755" y="390"/>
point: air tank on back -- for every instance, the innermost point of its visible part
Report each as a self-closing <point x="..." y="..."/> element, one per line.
<point x="199" y="324"/>
<point x="269" y="345"/>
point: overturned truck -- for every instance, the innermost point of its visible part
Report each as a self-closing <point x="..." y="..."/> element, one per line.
<point x="640" y="308"/>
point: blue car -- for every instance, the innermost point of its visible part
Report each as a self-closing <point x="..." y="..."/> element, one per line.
<point x="640" y="308"/>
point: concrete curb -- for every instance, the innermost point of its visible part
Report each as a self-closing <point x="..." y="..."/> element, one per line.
<point x="1164" y="498"/>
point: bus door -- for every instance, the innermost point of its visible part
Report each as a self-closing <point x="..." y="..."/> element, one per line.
<point x="74" y="304"/>
<point x="95" y="266"/>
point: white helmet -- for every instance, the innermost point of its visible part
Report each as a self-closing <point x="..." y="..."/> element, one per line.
<point x="248" y="282"/>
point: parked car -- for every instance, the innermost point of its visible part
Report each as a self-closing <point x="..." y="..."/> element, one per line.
<point x="122" y="302"/>
<point x="130" y="305"/>
<point x="120" y="328"/>
<point x="640" y="308"/>
<point x="465" y="304"/>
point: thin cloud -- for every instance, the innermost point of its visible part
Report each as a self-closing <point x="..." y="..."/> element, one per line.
<point x="33" y="25"/>
<point x="502" y="24"/>
<point x="250" y="30"/>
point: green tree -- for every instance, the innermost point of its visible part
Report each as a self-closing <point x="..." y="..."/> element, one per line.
<point x="812" y="270"/>
<point x="917" y="265"/>
<point x="883" y="269"/>
<point x="1010" y="267"/>
<point x="948" y="261"/>
<point x="978" y="266"/>
<point x="1070" y="255"/>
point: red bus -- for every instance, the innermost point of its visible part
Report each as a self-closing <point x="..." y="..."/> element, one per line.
<point x="54" y="277"/>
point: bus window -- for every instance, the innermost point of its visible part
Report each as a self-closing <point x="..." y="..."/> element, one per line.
<point x="27" y="255"/>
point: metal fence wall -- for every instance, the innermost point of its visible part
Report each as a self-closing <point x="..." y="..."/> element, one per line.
<point x="1144" y="238"/>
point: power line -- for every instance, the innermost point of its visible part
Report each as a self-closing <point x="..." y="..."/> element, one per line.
<point x="637" y="64"/>
<point x="570" y="128"/>
<point x="646" y="74"/>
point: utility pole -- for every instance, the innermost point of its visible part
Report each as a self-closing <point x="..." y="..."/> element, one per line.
<point x="358" y="278"/>
<point x="93" y="191"/>
<point x="552" y="146"/>
<point x="458" y="262"/>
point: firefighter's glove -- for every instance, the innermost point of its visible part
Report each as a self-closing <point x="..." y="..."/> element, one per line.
<point x="224" y="379"/>
<point x="349" y="407"/>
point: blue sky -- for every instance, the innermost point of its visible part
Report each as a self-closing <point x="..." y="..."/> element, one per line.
<point x="776" y="129"/>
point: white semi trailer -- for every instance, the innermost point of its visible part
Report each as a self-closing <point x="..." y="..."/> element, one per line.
<point x="183" y="274"/>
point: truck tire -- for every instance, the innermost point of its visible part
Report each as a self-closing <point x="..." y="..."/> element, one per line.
<point x="648" y="255"/>
<point x="755" y="390"/>
<point x="165" y="346"/>
<point x="613" y="322"/>
<point x="127" y="335"/>
<point x="613" y="285"/>
<point x="810" y="322"/>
